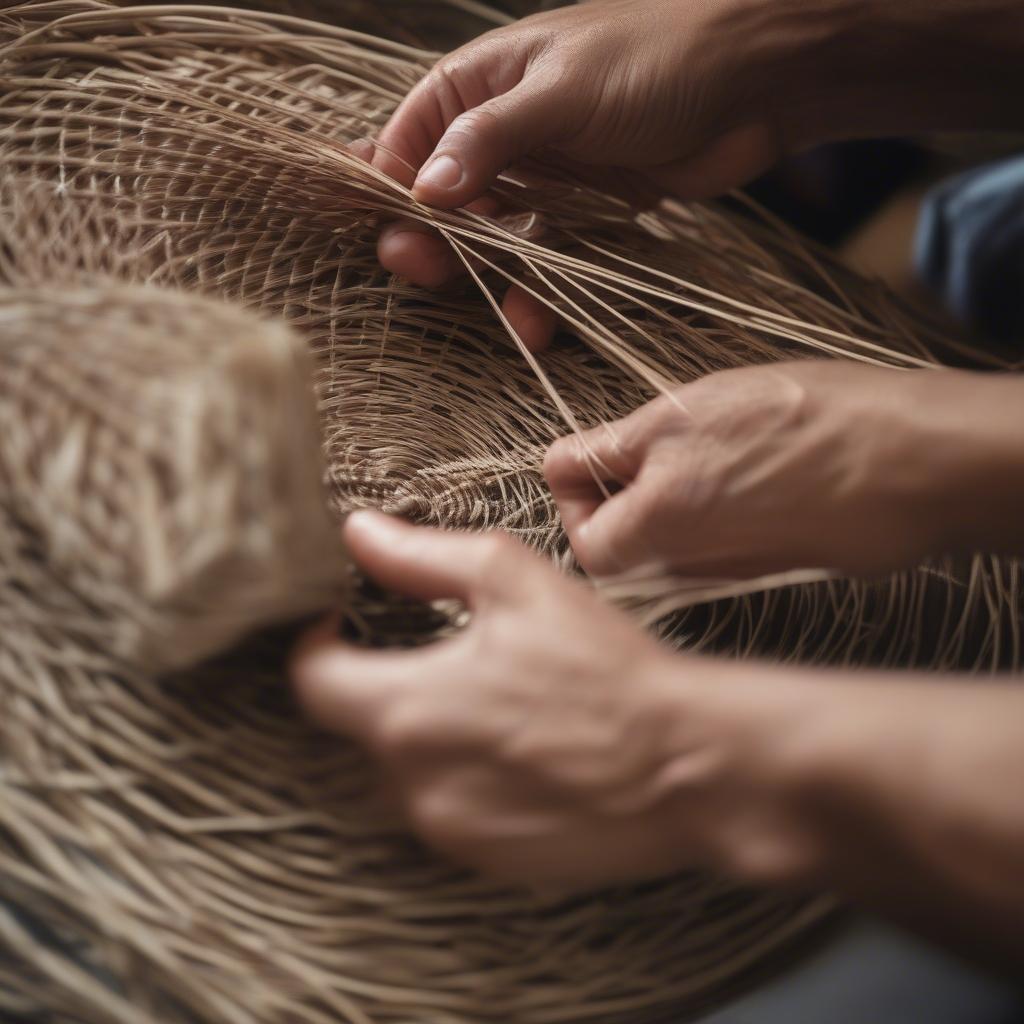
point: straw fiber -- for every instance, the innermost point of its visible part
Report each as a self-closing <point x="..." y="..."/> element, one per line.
<point x="202" y="366"/>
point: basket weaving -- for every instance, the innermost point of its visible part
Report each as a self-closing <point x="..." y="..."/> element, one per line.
<point x="202" y="366"/>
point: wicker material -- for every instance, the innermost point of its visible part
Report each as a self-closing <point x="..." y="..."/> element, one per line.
<point x="123" y="468"/>
<point x="188" y="849"/>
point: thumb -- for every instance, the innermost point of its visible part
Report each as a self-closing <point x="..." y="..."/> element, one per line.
<point x="616" y="537"/>
<point x="486" y="140"/>
<point x="582" y="469"/>
<point x="428" y="564"/>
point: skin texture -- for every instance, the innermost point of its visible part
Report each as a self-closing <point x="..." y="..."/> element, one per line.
<point x="797" y="465"/>
<point x="626" y="94"/>
<point x="684" y="97"/>
<point x="551" y="743"/>
<point x="508" y="754"/>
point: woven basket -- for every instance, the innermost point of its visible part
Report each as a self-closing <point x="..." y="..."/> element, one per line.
<point x="186" y="256"/>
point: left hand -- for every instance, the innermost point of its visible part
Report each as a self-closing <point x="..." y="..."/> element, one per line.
<point x="535" y="745"/>
<point x="644" y="98"/>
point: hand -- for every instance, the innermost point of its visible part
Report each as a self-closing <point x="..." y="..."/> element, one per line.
<point x="553" y="744"/>
<point x="796" y="465"/>
<point x="659" y="86"/>
<point x="658" y="93"/>
<point x="540" y="745"/>
<point x="685" y="97"/>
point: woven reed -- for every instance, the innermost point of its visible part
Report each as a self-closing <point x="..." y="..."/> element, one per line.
<point x="176" y="208"/>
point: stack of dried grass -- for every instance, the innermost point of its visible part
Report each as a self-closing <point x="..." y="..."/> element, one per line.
<point x="176" y="207"/>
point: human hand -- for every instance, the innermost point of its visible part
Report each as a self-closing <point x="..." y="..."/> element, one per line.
<point x="536" y="745"/>
<point x="645" y="97"/>
<point x="684" y="97"/>
<point x="796" y="465"/>
<point x="553" y="744"/>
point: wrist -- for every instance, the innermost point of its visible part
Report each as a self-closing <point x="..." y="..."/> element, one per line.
<point x="870" y="67"/>
<point x="971" y="439"/>
<point x="746" y="747"/>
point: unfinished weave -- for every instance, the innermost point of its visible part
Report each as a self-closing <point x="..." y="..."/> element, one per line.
<point x="174" y="181"/>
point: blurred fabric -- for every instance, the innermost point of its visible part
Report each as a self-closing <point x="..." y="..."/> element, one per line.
<point x="970" y="248"/>
<point x="870" y="974"/>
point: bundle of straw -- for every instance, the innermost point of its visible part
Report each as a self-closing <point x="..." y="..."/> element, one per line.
<point x="142" y="422"/>
<point x="188" y="849"/>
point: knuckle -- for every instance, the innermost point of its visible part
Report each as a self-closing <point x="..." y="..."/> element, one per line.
<point x="453" y="66"/>
<point x="654" y="419"/>
<point x="498" y="554"/>
<point x="445" y="81"/>
<point x="563" y="453"/>
<point x="475" y="125"/>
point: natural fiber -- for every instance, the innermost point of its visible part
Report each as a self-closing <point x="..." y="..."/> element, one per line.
<point x="188" y="849"/>
<point x="144" y="425"/>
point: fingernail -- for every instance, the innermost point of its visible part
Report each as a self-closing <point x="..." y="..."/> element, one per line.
<point x="365" y="517"/>
<point x="371" y="520"/>
<point x="443" y="172"/>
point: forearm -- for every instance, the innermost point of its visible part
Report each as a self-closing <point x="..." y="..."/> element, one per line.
<point x="968" y="457"/>
<point x="865" y="67"/>
<point x="980" y="491"/>
<point x="917" y="798"/>
<point x="901" y="794"/>
<point x="934" y="458"/>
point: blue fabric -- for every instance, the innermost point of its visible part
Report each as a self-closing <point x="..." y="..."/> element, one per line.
<point x="970" y="248"/>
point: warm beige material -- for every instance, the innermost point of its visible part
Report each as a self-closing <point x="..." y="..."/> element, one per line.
<point x="161" y="461"/>
<point x="188" y="849"/>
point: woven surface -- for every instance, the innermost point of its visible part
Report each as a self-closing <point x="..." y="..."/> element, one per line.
<point x="176" y="208"/>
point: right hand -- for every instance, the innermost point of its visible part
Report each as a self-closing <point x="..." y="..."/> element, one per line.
<point x="635" y="94"/>
<point x="799" y="465"/>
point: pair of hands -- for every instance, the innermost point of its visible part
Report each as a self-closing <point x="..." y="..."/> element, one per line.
<point x="552" y="741"/>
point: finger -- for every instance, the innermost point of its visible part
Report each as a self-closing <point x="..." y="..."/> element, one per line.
<point x="613" y="452"/>
<point x="414" y="252"/>
<point x="411" y="249"/>
<point x="469" y="76"/>
<point x="581" y="470"/>
<point x="369" y="152"/>
<point x="534" y="322"/>
<point x="341" y="687"/>
<point x="609" y="454"/>
<point x="411" y="134"/>
<point x="484" y="141"/>
<point x="430" y="564"/>
<point x="616" y="536"/>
